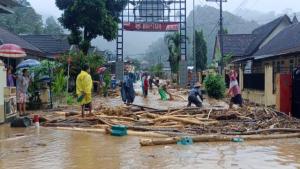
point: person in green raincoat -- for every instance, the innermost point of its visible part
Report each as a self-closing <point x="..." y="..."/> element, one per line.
<point x="163" y="92"/>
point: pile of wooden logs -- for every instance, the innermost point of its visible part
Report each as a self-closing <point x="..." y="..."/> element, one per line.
<point x="215" y="124"/>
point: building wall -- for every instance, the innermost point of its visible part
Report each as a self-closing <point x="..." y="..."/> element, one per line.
<point x="254" y="96"/>
<point x="266" y="97"/>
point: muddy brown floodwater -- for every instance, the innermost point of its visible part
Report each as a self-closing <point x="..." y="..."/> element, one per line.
<point x="52" y="149"/>
<point x="46" y="148"/>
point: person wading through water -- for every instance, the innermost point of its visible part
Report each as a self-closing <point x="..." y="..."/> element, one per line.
<point x="234" y="90"/>
<point x="84" y="84"/>
<point x="193" y="96"/>
<point x="146" y="86"/>
<point x="127" y="90"/>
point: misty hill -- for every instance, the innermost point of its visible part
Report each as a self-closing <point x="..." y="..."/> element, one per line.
<point x="135" y="43"/>
<point x="207" y="19"/>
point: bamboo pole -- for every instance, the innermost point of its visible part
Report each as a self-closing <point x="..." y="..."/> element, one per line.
<point x="265" y="130"/>
<point x="129" y="132"/>
<point x="215" y="138"/>
<point x="117" y="118"/>
<point x="184" y="120"/>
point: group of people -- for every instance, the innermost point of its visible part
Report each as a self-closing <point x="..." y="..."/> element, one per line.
<point x="84" y="85"/>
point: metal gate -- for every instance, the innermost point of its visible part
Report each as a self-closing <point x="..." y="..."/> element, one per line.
<point x="154" y="16"/>
<point x="296" y="93"/>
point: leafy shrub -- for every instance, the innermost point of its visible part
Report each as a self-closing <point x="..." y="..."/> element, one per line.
<point x="107" y="81"/>
<point x="70" y="99"/>
<point x="78" y="59"/>
<point x="215" y="86"/>
<point x="59" y="84"/>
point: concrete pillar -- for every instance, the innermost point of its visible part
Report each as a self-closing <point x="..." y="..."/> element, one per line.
<point x="241" y="78"/>
<point x="119" y="70"/>
<point x="183" y="73"/>
<point x="2" y="85"/>
<point x="270" y="98"/>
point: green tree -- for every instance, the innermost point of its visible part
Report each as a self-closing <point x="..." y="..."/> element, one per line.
<point x="78" y="60"/>
<point x="201" y="51"/>
<point x="173" y="43"/>
<point x="137" y="64"/>
<point x="87" y="19"/>
<point x="52" y="27"/>
<point x="157" y="69"/>
<point x="24" y="20"/>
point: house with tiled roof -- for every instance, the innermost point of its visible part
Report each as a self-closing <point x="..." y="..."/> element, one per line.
<point x="235" y="45"/>
<point x="7" y="5"/>
<point x="267" y="61"/>
<point x="50" y="45"/>
<point x="31" y="50"/>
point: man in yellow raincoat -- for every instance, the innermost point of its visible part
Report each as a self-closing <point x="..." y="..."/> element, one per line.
<point x="84" y="84"/>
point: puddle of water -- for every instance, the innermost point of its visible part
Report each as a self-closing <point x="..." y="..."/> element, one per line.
<point x="54" y="149"/>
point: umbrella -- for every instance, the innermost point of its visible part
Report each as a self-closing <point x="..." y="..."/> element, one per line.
<point x="11" y="51"/>
<point x="28" y="63"/>
<point x="101" y="69"/>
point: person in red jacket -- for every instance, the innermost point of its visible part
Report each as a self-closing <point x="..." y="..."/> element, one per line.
<point x="146" y="86"/>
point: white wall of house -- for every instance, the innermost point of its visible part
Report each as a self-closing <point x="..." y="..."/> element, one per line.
<point x="279" y="28"/>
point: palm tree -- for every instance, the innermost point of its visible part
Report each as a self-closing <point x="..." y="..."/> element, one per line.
<point x="173" y="42"/>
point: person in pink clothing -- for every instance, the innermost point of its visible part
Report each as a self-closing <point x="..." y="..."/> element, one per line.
<point x="234" y="90"/>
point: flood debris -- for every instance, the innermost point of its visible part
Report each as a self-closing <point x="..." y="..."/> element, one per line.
<point x="201" y="124"/>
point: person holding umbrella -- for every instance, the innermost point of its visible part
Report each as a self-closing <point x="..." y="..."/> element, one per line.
<point x="23" y="81"/>
<point x="10" y="78"/>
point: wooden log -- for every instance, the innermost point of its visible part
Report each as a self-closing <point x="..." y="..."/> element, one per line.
<point x="142" y="128"/>
<point x="72" y="113"/>
<point x="103" y="121"/>
<point x="65" y="125"/>
<point x="181" y="97"/>
<point x="174" y="112"/>
<point x="169" y="123"/>
<point x="144" y="107"/>
<point x="184" y="120"/>
<point x="209" y="113"/>
<point x="129" y="132"/>
<point x="151" y="115"/>
<point x="117" y="118"/>
<point x="288" y="130"/>
<point x="215" y="138"/>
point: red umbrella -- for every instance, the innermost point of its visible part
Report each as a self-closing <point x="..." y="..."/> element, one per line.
<point x="11" y="51"/>
<point x="101" y="69"/>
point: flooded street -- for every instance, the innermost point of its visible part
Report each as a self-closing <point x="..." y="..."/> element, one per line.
<point x="53" y="149"/>
<point x="48" y="148"/>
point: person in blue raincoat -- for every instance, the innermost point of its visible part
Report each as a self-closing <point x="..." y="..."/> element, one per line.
<point x="123" y="92"/>
<point x="127" y="89"/>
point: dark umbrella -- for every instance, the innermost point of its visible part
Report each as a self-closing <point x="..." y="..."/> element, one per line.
<point x="28" y="63"/>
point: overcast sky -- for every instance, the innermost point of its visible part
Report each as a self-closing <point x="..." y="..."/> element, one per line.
<point x="47" y="7"/>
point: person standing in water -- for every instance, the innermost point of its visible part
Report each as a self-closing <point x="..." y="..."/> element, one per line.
<point x="84" y="85"/>
<point x="193" y="96"/>
<point x="23" y="81"/>
<point x="234" y="90"/>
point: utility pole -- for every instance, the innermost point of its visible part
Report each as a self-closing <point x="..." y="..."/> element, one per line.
<point x="194" y="42"/>
<point x="221" y="31"/>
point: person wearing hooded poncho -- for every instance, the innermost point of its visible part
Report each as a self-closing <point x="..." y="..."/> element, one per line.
<point x="127" y="90"/>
